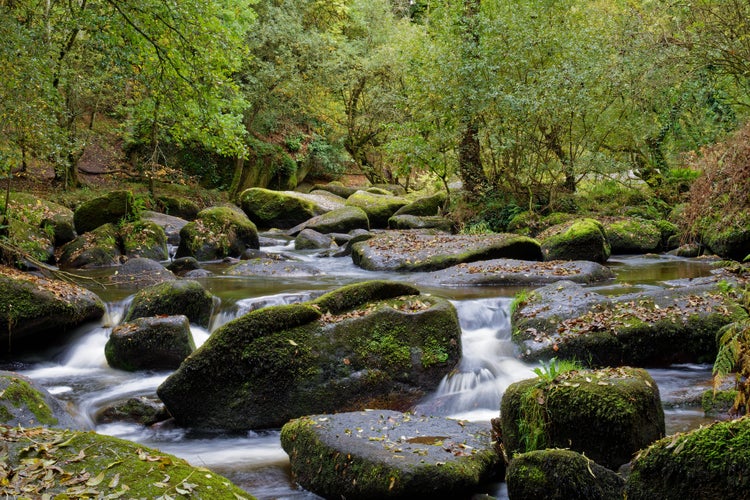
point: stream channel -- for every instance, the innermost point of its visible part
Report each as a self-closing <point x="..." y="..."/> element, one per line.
<point x="79" y="374"/>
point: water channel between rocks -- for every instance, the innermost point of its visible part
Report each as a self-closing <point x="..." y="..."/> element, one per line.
<point x="254" y="460"/>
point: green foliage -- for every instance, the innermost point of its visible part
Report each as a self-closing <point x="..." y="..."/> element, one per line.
<point x="733" y="355"/>
<point x="548" y="372"/>
<point x="532" y="426"/>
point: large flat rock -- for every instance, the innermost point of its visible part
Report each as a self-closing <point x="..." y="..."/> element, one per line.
<point x="387" y="454"/>
<point x="425" y="251"/>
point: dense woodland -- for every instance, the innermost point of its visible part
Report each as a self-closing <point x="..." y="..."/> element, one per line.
<point x="525" y="102"/>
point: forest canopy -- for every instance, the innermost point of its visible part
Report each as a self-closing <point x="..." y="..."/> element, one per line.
<point x="526" y="99"/>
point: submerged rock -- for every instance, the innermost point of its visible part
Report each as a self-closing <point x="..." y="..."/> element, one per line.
<point x="648" y="328"/>
<point x="158" y="343"/>
<point x="55" y="463"/>
<point x="138" y="410"/>
<point x="386" y="454"/>
<point x="606" y="414"/>
<point x="368" y="345"/>
<point x="561" y="475"/>
<point x="418" y="251"/>
<point x="37" y="312"/>
<point x="710" y="462"/>
<point x="267" y="266"/>
<point x="25" y="403"/>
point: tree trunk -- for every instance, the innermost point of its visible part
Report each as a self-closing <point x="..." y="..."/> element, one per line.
<point x="470" y="161"/>
<point x="470" y="166"/>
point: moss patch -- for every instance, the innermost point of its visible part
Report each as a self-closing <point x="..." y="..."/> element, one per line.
<point x="21" y="395"/>
<point x="68" y="464"/>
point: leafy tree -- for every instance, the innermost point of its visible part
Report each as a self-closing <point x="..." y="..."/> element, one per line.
<point x="169" y="64"/>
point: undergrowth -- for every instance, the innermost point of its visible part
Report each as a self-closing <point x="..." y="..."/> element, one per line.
<point x="733" y="356"/>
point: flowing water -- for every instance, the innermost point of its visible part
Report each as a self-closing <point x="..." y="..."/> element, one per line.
<point x="79" y="374"/>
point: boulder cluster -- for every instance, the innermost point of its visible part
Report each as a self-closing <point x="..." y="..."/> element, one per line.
<point x="339" y="373"/>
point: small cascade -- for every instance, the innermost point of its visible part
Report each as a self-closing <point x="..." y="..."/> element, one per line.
<point x="245" y="306"/>
<point x="488" y="364"/>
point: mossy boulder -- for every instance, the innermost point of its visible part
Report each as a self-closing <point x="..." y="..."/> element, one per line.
<point x="421" y="222"/>
<point x="387" y="454"/>
<point x="420" y="251"/>
<point x="55" y="219"/>
<point x="654" y="327"/>
<point x="607" y="414"/>
<point x="558" y="474"/>
<point x="35" y="312"/>
<point x="156" y="343"/>
<point x="424" y="207"/>
<point x="97" y="248"/>
<point x="728" y="236"/>
<point x="362" y="346"/>
<point x="216" y="233"/>
<point x="35" y="241"/>
<point x="277" y="267"/>
<point x="283" y="209"/>
<point x="633" y="235"/>
<point x="110" y="208"/>
<point x="709" y="462"/>
<point x="339" y="220"/>
<point x="178" y="297"/>
<point x="145" y="239"/>
<point x="514" y="272"/>
<point x="178" y="206"/>
<point x="309" y="239"/>
<point x="378" y="207"/>
<point x="53" y="463"/>
<point x="579" y="239"/>
<point x="337" y="188"/>
<point x="25" y="403"/>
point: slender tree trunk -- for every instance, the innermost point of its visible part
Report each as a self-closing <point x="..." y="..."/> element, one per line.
<point x="470" y="166"/>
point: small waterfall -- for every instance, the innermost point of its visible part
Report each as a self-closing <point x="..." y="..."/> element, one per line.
<point x="247" y="305"/>
<point x="488" y="365"/>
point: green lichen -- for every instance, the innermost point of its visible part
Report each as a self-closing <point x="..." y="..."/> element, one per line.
<point x="21" y="395"/>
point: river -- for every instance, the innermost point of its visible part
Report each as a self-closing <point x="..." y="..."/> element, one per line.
<point x="79" y="375"/>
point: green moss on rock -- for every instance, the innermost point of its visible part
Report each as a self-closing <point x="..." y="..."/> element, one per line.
<point x="558" y="474"/>
<point x="378" y="207"/>
<point x="66" y="464"/>
<point x="144" y="239"/>
<point x="278" y="209"/>
<point x="110" y="208"/>
<point x="345" y="351"/>
<point x="386" y="454"/>
<point x="580" y="239"/>
<point x="216" y="233"/>
<point x="607" y="414"/>
<point x="99" y="247"/>
<point x="633" y="235"/>
<point x="710" y="462"/>
<point x="34" y="310"/>
<point x="171" y="298"/>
